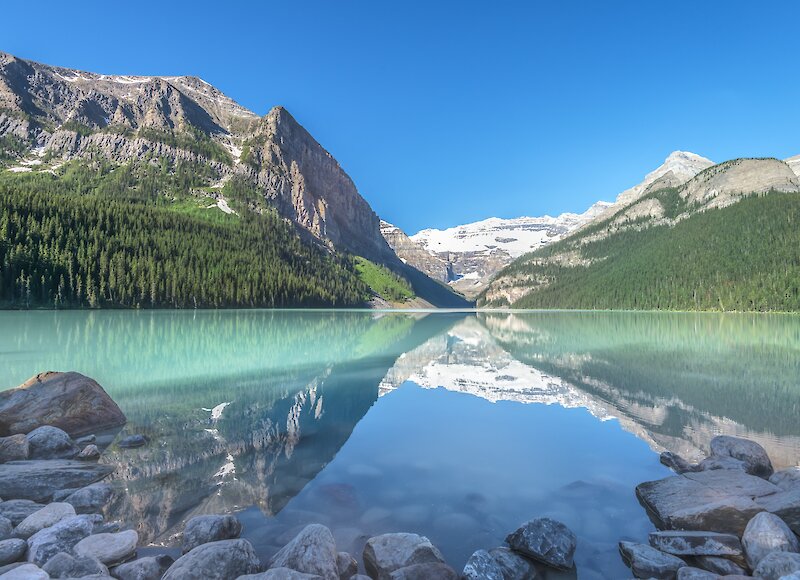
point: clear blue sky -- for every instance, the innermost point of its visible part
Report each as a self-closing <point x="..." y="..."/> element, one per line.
<point x="448" y="112"/>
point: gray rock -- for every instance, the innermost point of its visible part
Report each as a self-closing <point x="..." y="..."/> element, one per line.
<point x="676" y="463"/>
<point x="715" y="462"/>
<point x="280" y="574"/>
<point x="514" y="566"/>
<point x="786" y="479"/>
<point x="751" y="453"/>
<point x="734" y="482"/>
<point x="481" y="566"/>
<point x="149" y="568"/>
<point x="360" y="577"/>
<point x="64" y="565"/>
<point x="48" y="516"/>
<point x="689" y="543"/>
<point x="26" y="572"/>
<point x="49" y="442"/>
<point x="6" y="527"/>
<point x="61" y="537"/>
<point x="428" y="571"/>
<point x="216" y="561"/>
<point x="9" y="567"/>
<point x="110" y="549"/>
<point x="84" y="441"/>
<point x="12" y="550"/>
<point x="17" y="510"/>
<point x="346" y="565"/>
<point x="211" y="528"/>
<point x="717" y="565"/>
<point x="647" y="562"/>
<point x="785" y="505"/>
<point x="776" y="565"/>
<point x="132" y="441"/>
<point x="38" y="480"/>
<point x="387" y="553"/>
<point x="14" y="448"/>
<point x="89" y="453"/>
<point x="688" y="573"/>
<point x="312" y="551"/>
<point x="767" y="533"/>
<point x="91" y="499"/>
<point x="545" y="540"/>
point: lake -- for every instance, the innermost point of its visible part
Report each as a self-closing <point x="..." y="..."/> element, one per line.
<point x="455" y="425"/>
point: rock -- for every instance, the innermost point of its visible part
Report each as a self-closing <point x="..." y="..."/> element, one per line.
<point x="84" y="441"/>
<point x="90" y="499"/>
<point x="132" y="441"/>
<point x="38" y="480"/>
<point x="428" y="571"/>
<point x="545" y="540"/>
<point x="312" y="551"/>
<point x="647" y="562"/>
<point x="785" y="505"/>
<point x="14" y="448"/>
<point x="64" y="565"/>
<point x="69" y="401"/>
<point x="481" y="566"/>
<point x="9" y="567"/>
<point x="715" y="462"/>
<point x="777" y="564"/>
<point x="514" y="566"/>
<point x="346" y="565"/>
<point x="212" y="528"/>
<point x="216" y="561"/>
<point x="786" y="479"/>
<point x="149" y="568"/>
<point x="89" y="453"/>
<point x="688" y="543"/>
<point x="26" y="572"/>
<point x="675" y="462"/>
<point x="721" y="566"/>
<point x="110" y="549"/>
<point x="387" y="553"/>
<point x="49" y="442"/>
<point x="12" y="550"/>
<point x="280" y="574"/>
<point x="751" y="453"/>
<point x="679" y="502"/>
<point x="17" y="510"/>
<point x="767" y="533"/>
<point x="734" y="482"/>
<point x="6" y="527"/>
<point x="61" y="537"/>
<point x="48" y="516"/>
<point x="688" y="573"/>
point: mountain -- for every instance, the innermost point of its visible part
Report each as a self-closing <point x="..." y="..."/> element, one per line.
<point x="467" y="256"/>
<point x="53" y="119"/>
<point x="723" y="239"/>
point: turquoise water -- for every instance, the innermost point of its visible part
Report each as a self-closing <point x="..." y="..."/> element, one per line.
<point x="458" y="426"/>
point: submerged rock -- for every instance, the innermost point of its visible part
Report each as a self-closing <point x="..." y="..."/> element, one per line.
<point x="49" y="442"/>
<point x="211" y="528"/>
<point x="388" y="553"/>
<point x="69" y="401"/>
<point x="48" y="516"/>
<point x="149" y="568"/>
<point x="38" y="480"/>
<point x="312" y="551"/>
<point x="216" y="561"/>
<point x="696" y="543"/>
<point x="110" y="549"/>
<point x="647" y="562"/>
<point x="61" y="537"/>
<point x="514" y="566"/>
<point x="546" y="540"/>
<point x="752" y="454"/>
<point x="481" y="566"/>
<point x="133" y="441"/>
<point x="767" y="533"/>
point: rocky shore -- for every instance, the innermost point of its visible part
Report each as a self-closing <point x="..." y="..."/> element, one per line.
<point x="729" y="516"/>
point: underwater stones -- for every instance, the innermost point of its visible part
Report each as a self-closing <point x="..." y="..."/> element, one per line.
<point x="545" y="540"/>
<point x="132" y="441"/>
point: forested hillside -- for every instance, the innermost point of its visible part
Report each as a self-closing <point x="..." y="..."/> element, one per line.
<point x="745" y="256"/>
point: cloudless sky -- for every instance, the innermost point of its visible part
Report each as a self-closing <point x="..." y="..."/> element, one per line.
<point x="449" y="112"/>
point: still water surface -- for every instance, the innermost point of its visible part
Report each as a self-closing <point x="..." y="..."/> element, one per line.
<point x="458" y="426"/>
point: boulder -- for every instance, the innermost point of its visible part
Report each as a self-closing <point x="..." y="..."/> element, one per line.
<point x="132" y="441"/>
<point x="775" y="565"/>
<point x="696" y="543"/>
<point x="715" y="462"/>
<point x="90" y="499"/>
<point x="751" y="453"/>
<point x="676" y="463"/>
<point x="428" y="571"/>
<point x="26" y="572"/>
<point x="717" y="565"/>
<point x="110" y="549"/>
<point x="767" y="533"/>
<point x="89" y="453"/>
<point x="785" y="505"/>
<point x="6" y="527"/>
<point x="786" y="479"/>
<point x="346" y="565"/>
<point x="48" y="516"/>
<point x="514" y="566"/>
<point x="17" y="510"/>
<point x="49" y="442"/>
<point x="69" y="401"/>
<point x="38" y="480"/>
<point x="545" y="540"/>
<point x="688" y="573"/>
<point x="216" y="561"/>
<point x="387" y="553"/>
<point x="312" y="551"/>
<point x="14" y="448"/>
<point x="647" y="562"/>
<point x="734" y="482"/>
<point x="212" y="528"/>
<point x="64" y="565"/>
<point x="149" y="568"/>
<point x="280" y="574"/>
<point x="481" y="566"/>
<point x="9" y="567"/>
<point x="12" y="550"/>
<point x="61" y="537"/>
